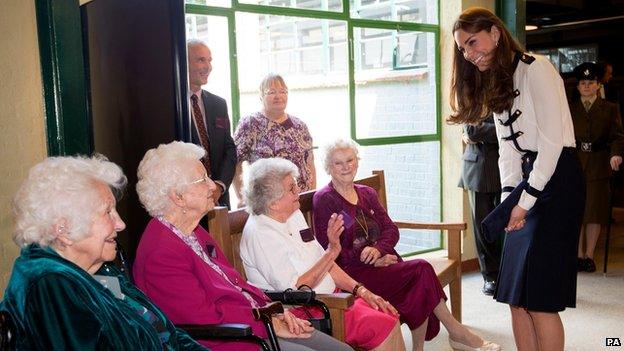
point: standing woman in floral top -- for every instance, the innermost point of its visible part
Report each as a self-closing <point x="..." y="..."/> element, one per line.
<point x="271" y="132"/>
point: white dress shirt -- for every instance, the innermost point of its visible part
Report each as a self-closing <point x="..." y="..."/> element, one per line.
<point x="275" y="256"/>
<point x="545" y="122"/>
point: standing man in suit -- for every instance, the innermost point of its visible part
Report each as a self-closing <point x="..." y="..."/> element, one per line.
<point x="211" y="123"/>
<point x="480" y="176"/>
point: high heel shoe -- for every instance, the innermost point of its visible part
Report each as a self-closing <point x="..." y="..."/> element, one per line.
<point x="487" y="346"/>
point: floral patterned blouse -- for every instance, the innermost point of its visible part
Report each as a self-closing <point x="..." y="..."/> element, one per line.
<point x="258" y="137"/>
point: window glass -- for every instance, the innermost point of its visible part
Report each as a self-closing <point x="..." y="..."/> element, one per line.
<point x="210" y="29"/>
<point x="395" y="83"/>
<point x="413" y="11"/>
<point x="220" y="3"/>
<point x="326" y="5"/>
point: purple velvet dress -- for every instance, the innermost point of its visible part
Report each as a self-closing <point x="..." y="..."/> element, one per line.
<point x="411" y="286"/>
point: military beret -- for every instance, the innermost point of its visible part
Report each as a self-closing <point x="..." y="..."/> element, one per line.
<point x="587" y="71"/>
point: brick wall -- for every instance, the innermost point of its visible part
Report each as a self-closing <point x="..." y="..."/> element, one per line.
<point x="22" y="131"/>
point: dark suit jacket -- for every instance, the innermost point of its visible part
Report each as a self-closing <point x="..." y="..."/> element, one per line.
<point x="480" y="172"/>
<point x="602" y="125"/>
<point x="222" y="147"/>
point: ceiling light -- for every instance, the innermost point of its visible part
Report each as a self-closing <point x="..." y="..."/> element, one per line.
<point x="529" y="27"/>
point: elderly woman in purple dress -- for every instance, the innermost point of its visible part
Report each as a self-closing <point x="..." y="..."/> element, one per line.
<point x="271" y="132"/>
<point x="368" y="254"/>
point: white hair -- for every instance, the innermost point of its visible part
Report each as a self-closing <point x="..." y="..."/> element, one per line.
<point x="62" y="189"/>
<point x="335" y="145"/>
<point x="164" y="168"/>
<point x="263" y="183"/>
<point x="195" y="42"/>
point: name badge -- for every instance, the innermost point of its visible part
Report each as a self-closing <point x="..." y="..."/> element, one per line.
<point x="306" y="235"/>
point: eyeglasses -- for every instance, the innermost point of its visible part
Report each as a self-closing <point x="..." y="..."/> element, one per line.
<point x="294" y="189"/>
<point x="272" y="92"/>
<point x="205" y="178"/>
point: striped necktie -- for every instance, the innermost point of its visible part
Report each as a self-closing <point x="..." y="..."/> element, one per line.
<point x="202" y="131"/>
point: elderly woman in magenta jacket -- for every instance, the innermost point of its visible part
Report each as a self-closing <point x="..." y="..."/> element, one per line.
<point x="181" y="268"/>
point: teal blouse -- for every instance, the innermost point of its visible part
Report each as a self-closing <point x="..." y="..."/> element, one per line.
<point x="56" y="305"/>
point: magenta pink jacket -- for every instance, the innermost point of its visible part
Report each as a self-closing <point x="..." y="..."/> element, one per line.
<point x="188" y="290"/>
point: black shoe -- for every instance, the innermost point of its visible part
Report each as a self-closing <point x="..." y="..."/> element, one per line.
<point x="489" y="287"/>
<point x="590" y="265"/>
<point x="581" y="264"/>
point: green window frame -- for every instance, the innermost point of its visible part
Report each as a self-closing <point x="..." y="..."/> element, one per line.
<point x="352" y="23"/>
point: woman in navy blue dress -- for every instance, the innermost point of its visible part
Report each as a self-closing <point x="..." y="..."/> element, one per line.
<point x="542" y="182"/>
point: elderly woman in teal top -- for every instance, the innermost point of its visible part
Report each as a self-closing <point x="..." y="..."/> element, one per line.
<point x="61" y="295"/>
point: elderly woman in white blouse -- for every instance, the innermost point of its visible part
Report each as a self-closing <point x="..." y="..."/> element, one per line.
<point x="279" y="251"/>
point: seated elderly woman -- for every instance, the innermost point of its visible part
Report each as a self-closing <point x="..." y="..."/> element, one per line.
<point x="278" y="251"/>
<point x="60" y="296"/>
<point x="368" y="253"/>
<point x="181" y="268"/>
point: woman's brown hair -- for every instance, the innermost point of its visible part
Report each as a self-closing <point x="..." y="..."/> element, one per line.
<point x="474" y="94"/>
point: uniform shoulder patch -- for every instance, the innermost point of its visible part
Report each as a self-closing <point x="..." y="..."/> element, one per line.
<point x="526" y="58"/>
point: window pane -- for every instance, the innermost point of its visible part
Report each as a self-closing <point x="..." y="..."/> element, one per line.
<point x="326" y="5"/>
<point x="311" y="55"/>
<point x="395" y="83"/>
<point x="222" y="3"/>
<point x="414" y="11"/>
<point x="210" y="29"/>
<point x="412" y="173"/>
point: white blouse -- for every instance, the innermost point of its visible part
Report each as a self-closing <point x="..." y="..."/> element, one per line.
<point x="274" y="255"/>
<point x="545" y="123"/>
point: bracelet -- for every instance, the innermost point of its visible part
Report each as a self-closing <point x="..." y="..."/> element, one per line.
<point x="356" y="288"/>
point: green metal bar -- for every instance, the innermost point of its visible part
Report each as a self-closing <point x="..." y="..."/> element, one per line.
<point x="397" y="139"/>
<point x="234" y="71"/>
<point x="351" y="57"/>
<point x="64" y="75"/>
<point x="208" y="10"/>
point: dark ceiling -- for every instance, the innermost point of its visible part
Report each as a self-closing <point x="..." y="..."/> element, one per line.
<point x="577" y="22"/>
<point x="555" y="12"/>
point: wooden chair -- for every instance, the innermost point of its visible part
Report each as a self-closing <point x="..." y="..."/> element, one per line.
<point x="227" y="227"/>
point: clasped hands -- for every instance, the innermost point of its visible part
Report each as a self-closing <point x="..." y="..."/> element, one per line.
<point x="369" y="255"/>
<point x="288" y="326"/>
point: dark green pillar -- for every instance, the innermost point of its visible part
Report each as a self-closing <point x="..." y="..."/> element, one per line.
<point x="64" y="77"/>
<point x="513" y="13"/>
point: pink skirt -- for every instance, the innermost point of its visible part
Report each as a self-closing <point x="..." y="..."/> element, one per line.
<point x="365" y="327"/>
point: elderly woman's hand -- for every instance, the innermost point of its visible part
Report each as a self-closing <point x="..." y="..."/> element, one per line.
<point x="386" y="260"/>
<point x="377" y="302"/>
<point x="288" y="326"/>
<point x="369" y="255"/>
<point x="335" y="227"/>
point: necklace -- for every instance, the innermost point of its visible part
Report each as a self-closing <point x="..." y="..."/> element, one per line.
<point x="363" y="226"/>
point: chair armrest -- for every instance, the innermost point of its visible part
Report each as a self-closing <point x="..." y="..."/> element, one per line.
<point x="454" y="234"/>
<point x="340" y="301"/>
<point x="432" y="226"/>
<point x="216" y="331"/>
